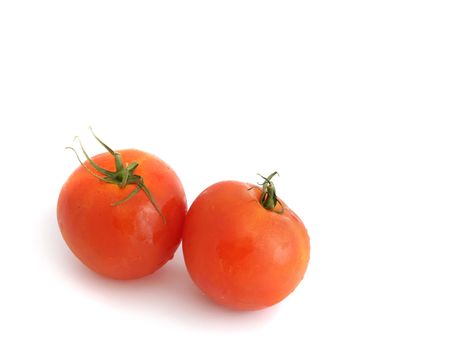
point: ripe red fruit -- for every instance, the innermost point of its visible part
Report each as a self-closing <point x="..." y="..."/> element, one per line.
<point x="243" y="246"/>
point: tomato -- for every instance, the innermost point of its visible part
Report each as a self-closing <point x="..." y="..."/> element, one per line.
<point x="243" y="247"/>
<point x="128" y="222"/>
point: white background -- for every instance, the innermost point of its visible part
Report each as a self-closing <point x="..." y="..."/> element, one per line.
<point x="360" y="105"/>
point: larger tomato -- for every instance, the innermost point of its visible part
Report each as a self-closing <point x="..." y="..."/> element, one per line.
<point x="128" y="222"/>
<point x="243" y="246"/>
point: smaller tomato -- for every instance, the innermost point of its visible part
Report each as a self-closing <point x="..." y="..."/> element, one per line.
<point x="243" y="246"/>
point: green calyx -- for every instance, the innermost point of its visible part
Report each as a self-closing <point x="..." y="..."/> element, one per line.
<point x="122" y="176"/>
<point x="268" y="197"/>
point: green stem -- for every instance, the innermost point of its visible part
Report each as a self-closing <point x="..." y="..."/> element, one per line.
<point x="268" y="197"/>
<point x="121" y="177"/>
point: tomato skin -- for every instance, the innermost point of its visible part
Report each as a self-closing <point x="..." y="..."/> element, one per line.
<point x="129" y="240"/>
<point x="238" y="253"/>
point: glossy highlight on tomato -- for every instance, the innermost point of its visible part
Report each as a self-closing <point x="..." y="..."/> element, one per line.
<point x="118" y="231"/>
<point x="243" y="247"/>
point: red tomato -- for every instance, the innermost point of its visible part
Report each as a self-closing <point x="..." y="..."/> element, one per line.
<point x="243" y="247"/>
<point x="123" y="240"/>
